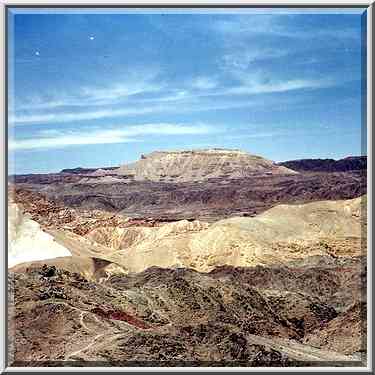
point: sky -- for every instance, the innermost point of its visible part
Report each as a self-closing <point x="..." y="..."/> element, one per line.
<point x="99" y="88"/>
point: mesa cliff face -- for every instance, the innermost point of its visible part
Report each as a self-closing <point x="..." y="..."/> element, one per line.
<point x="198" y="165"/>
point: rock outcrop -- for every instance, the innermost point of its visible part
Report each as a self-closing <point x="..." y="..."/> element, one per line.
<point x="346" y="333"/>
<point x="27" y="241"/>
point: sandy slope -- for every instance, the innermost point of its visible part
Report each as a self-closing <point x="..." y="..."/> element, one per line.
<point x="281" y="234"/>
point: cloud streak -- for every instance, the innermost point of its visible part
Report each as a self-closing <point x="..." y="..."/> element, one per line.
<point x="281" y="86"/>
<point x="192" y="100"/>
<point x="135" y="84"/>
<point x="126" y="134"/>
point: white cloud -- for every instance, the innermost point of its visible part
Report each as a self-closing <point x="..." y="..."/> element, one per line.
<point x="117" y="91"/>
<point x="64" y="117"/>
<point x="204" y="83"/>
<point x="281" y="86"/>
<point x="67" y="140"/>
<point x="125" y="134"/>
<point x="170" y="97"/>
<point x="79" y="116"/>
<point x="258" y="81"/>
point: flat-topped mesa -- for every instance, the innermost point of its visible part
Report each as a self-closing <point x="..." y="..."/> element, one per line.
<point x="199" y="165"/>
<point x="211" y="151"/>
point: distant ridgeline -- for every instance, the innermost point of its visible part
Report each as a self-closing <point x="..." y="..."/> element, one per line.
<point x="351" y="163"/>
<point x="80" y="170"/>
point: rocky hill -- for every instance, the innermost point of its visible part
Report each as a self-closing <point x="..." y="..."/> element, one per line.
<point x="281" y="234"/>
<point x="198" y="165"/>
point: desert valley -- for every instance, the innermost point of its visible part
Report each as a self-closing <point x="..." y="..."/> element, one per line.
<point x="211" y="257"/>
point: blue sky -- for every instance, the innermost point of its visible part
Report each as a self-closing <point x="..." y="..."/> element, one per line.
<point x="99" y="89"/>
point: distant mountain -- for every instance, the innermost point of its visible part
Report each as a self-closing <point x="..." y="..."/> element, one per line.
<point x="80" y="170"/>
<point x="199" y="165"/>
<point x="351" y="163"/>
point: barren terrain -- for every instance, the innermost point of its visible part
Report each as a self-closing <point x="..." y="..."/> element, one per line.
<point x="190" y="258"/>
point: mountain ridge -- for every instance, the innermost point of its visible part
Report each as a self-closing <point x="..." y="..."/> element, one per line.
<point x="349" y="163"/>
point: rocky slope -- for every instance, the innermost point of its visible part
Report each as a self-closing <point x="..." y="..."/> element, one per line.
<point x="163" y="317"/>
<point x="210" y="200"/>
<point x="346" y="333"/>
<point x="199" y="165"/>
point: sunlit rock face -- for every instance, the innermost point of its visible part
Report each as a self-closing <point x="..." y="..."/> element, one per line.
<point x="199" y="165"/>
<point x="27" y="241"/>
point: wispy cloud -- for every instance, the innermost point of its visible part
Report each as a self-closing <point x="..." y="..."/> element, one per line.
<point x="279" y="25"/>
<point x="185" y="102"/>
<point x="141" y="94"/>
<point x="280" y="86"/>
<point x="57" y="117"/>
<point x="134" y="84"/>
<point x="147" y="91"/>
<point x="47" y="139"/>
<point x="243" y="58"/>
<point x="191" y="105"/>
<point x="68" y="140"/>
<point x="260" y="23"/>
